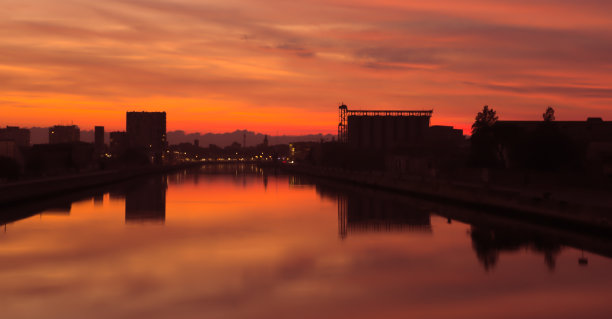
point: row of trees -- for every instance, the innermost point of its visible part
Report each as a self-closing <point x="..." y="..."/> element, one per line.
<point x="545" y="148"/>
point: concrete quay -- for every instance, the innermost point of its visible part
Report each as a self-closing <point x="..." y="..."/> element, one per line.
<point x="26" y="191"/>
<point x="582" y="211"/>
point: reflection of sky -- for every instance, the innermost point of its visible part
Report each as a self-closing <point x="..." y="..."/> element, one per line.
<point x="226" y="251"/>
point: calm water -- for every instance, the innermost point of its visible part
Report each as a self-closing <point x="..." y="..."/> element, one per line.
<point x="233" y="242"/>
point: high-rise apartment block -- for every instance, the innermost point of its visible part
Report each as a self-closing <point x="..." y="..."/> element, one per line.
<point x="147" y="131"/>
<point x="99" y="145"/>
<point x="64" y="134"/>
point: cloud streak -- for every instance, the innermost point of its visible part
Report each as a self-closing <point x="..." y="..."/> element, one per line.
<point x="271" y="62"/>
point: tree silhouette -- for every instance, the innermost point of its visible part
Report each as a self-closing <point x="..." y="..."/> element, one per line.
<point x="484" y="150"/>
<point x="549" y="115"/>
<point x="484" y="120"/>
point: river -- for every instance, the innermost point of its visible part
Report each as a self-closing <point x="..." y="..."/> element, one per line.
<point x="236" y="241"/>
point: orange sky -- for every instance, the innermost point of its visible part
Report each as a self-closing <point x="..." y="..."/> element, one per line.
<point x="283" y="66"/>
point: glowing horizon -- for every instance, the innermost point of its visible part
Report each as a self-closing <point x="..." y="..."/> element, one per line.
<point x="275" y="67"/>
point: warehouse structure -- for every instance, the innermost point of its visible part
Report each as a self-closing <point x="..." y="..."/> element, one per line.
<point x="383" y="129"/>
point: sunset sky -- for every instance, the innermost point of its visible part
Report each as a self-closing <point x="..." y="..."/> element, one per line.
<point x="283" y="67"/>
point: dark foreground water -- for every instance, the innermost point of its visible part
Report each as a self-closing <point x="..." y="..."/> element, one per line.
<point x="235" y="242"/>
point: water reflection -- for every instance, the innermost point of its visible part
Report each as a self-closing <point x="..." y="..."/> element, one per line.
<point x="59" y="209"/>
<point x="239" y="242"/>
<point x="147" y="201"/>
<point x="359" y="211"/>
<point x="488" y="243"/>
<point x="362" y="210"/>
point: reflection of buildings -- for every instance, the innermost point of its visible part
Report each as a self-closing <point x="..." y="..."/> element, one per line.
<point x="242" y="174"/>
<point x="489" y="243"/>
<point x="98" y="199"/>
<point x="363" y="211"/>
<point x="147" y="201"/>
<point x="62" y="208"/>
<point x="232" y="168"/>
<point x="358" y="213"/>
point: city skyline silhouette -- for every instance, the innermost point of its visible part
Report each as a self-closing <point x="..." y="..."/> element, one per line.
<point x="305" y="159"/>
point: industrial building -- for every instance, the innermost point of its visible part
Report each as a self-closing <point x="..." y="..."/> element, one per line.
<point x="382" y="129"/>
<point x="147" y="130"/>
<point x="64" y="134"/>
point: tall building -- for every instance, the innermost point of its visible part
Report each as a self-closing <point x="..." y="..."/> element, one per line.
<point x="382" y="129"/>
<point x="64" y="134"/>
<point x="20" y="136"/>
<point x="118" y="143"/>
<point x="147" y="131"/>
<point x="99" y="140"/>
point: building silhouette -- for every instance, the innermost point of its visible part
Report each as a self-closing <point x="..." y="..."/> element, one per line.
<point x="445" y="135"/>
<point x="567" y="144"/>
<point x="99" y="145"/>
<point x="13" y="142"/>
<point x="382" y="129"/>
<point x="118" y="143"/>
<point x="20" y="136"/>
<point x="594" y="129"/>
<point x="64" y="134"/>
<point x="58" y="158"/>
<point x="8" y="148"/>
<point x="147" y="131"/>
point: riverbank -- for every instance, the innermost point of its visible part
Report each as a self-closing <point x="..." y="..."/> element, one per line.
<point x="24" y="191"/>
<point x="581" y="211"/>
